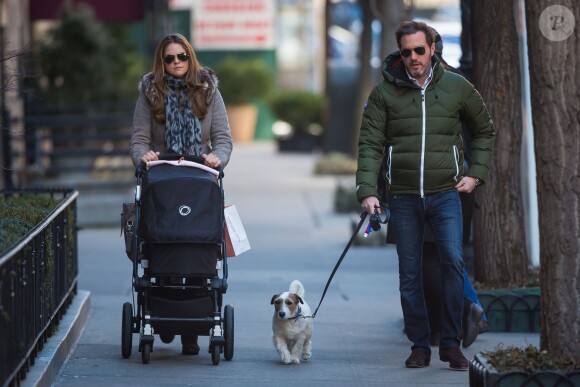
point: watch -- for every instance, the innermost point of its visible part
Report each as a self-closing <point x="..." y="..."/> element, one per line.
<point x="477" y="182"/>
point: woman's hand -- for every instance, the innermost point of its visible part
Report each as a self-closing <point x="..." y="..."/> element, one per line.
<point x="211" y="160"/>
<point x="150" y="156"/>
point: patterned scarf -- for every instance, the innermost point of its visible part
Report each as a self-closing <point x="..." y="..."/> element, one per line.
<point x="182" y="127"/>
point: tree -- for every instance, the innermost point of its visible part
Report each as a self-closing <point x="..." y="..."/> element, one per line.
<point x="499" y="237"/>
<point x="389" y="13"/>
<point x="85" y="61"/>
<point x="555" y="90"/>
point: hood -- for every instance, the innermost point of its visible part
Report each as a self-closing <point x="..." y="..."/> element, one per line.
<point x="394" y="70"/>
<point x="207" y="79"/>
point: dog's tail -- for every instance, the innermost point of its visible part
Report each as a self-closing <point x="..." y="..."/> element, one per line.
<point x="297" y="288"/>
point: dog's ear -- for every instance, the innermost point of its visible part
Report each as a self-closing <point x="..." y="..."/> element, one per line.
<point x="274" y="298"/>
<point x="298" y="298"/>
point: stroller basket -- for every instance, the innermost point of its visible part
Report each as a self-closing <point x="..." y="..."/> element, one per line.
<point x="175" y="259"/>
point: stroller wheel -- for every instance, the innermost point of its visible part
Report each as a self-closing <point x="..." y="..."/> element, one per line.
<point x="146" y="353"/>
<point x="215" y="355"/>
<point x="229" y="332"/>
<point x="127" y="330"/>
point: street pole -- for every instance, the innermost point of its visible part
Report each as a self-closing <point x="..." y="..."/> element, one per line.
<point x="4" y="116"/>
<point x="528" y="154"/>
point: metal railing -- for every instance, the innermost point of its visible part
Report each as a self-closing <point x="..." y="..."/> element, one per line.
<point x="81" y="139"/>
<point x="38" y="280"/>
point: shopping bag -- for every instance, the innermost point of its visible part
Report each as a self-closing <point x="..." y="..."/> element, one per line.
<point x="236" y="239"/>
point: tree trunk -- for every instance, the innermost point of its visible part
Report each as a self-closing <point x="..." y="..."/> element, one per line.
<point x="391" y="13"/>
<point x="499" y="238"/>
<point x="555" y="89"/>
<point x="365" y="76"/>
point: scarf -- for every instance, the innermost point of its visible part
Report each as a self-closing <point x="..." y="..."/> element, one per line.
<point x="182" y="127"/>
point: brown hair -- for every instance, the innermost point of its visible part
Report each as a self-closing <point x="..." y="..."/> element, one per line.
<point x="411" y="27"/>
<point x="194" y="91"/>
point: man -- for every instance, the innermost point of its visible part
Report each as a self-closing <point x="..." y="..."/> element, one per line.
<point x="415" y="115"/>
<point x="473" y="313"/>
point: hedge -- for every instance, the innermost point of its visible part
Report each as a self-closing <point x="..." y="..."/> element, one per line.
<point x="19" y="215"/>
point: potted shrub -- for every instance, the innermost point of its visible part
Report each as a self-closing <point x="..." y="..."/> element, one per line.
<point x="517" y="367"/>
<point x="241" y="81"/>
<point x="302" y="113"/>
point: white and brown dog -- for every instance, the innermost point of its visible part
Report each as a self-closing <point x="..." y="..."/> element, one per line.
<point x="292" y="332"/>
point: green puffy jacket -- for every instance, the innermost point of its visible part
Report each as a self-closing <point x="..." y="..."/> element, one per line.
<point x="420" y="132"/>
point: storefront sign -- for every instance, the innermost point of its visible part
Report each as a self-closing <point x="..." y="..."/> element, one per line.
<point x="231" y="24"/>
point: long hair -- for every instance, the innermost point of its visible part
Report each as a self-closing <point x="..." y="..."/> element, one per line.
<point x="194" y="89"/>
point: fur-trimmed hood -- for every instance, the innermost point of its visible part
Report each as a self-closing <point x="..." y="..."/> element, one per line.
<point x="207" y="78"/>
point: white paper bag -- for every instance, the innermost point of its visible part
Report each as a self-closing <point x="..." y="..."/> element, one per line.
<point x="236" y="239"/>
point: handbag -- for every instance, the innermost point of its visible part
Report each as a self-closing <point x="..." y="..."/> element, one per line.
<point x="128" y="227"/>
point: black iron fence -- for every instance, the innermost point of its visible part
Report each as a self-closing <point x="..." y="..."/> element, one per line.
<point x="38" y="280"/>
<point x="86" y="139"/>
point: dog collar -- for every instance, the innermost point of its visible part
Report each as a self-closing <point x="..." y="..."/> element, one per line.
<point x="298" y="315"/>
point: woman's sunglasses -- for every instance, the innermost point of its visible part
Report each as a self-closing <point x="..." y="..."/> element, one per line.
<point x="407" y="52"/>
<point x="170" y="58"/>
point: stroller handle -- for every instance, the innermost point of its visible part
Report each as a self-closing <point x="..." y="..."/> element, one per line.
<point x="174" y="156"/>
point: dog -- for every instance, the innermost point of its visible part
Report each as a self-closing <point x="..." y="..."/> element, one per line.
<point x="291" y="332"/>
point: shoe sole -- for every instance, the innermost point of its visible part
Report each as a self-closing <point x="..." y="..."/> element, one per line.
<point x="472" y="326"/>
<point x="416" y="365"/>
<point x="458" y="369"/>
<point x="446" y="360"/>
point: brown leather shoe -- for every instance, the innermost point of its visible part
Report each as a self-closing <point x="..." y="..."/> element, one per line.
<point x="472" y="329"/>
<point x="189" y="345"/>
<point x="456" y="360"/>
<point x="418" y="359"/>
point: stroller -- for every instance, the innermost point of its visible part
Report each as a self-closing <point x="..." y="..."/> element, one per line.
<point x="178" y="251"/>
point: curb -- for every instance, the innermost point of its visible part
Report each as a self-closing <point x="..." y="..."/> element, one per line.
<point x="58" y="347"/>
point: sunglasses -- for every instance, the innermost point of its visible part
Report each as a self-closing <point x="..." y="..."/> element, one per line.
<point x="170" y="58"/>
<point x="407" y="52"/>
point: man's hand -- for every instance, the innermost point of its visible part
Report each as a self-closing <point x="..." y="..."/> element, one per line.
<point x="211" y="160"/>
<point x="370" y="203"/>
<point x="467" y="184"/>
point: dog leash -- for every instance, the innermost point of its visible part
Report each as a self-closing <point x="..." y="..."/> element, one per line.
<point x="363" y="216"/>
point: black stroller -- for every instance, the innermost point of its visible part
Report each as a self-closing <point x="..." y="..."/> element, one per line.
<point x="178" y="252"/>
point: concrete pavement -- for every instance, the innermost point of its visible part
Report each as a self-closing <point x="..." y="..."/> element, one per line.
<point x="288" y="216"/>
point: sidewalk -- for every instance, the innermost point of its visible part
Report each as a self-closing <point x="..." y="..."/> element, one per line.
<point x="294" y="233"/>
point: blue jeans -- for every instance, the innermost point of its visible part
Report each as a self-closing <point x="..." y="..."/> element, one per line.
<point x="408" y="216"/>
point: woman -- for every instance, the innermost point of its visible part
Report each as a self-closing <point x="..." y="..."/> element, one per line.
<point x="180" y="110"/>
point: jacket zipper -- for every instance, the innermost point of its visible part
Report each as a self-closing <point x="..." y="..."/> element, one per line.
<point x="456" y="157"/>
<point x="389" y="175"/>
<point x="424" y="129"/>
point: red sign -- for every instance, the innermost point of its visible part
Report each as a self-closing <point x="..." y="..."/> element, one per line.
<point x="105" y="10"/>
<point x="231" y="24"/>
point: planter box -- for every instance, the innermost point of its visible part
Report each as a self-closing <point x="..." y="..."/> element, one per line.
<point x="483" y="374"/>
<point x="512" y="310"/>
<point x="299" y="142"/>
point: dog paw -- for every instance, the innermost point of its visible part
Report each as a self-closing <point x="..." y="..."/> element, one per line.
<point x="295" y="360"/>
<point x="306" y="355"/>
<point x="286" y="358"/>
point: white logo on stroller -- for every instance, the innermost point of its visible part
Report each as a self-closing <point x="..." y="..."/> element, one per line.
<point x="184" y="210"/>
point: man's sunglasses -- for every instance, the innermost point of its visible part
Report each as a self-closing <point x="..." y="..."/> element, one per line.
<point x="170" y="58"/>
<point x="407" y="52"/>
